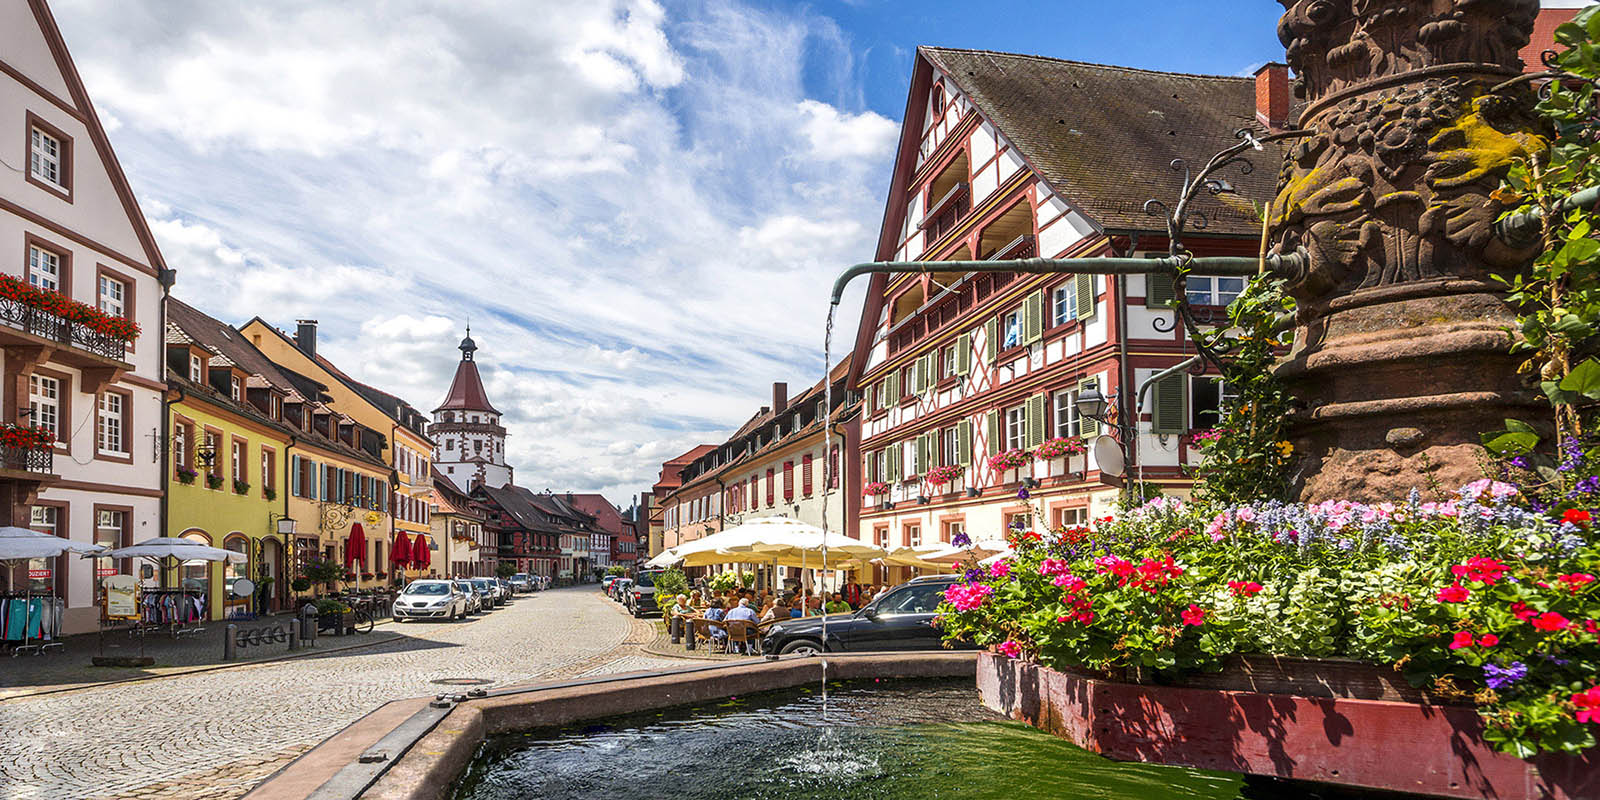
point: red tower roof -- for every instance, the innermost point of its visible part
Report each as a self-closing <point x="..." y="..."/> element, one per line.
<point x="466" y="391"/>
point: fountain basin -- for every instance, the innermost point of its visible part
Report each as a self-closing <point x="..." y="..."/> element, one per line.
<point x="1326" y="722"/>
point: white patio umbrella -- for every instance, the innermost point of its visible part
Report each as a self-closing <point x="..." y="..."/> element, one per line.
<point x="20" y="543"/>
<point x="665" y="558"/>
<point x="915" y="557"/>
<point x="162" y="547"/>
<point x="980" y="549"/>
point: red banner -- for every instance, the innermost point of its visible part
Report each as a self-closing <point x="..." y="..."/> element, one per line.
<point x="102" y="572"/>
<point x="38" y="573"/>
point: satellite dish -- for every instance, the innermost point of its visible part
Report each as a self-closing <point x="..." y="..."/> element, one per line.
<point x="1108" y="455"/>
<point x="244" y="587"/>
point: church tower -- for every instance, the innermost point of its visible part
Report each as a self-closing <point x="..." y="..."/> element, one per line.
<point x="470" y="444"/>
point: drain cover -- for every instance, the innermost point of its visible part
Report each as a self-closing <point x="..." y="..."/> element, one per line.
<point x="463" y="681"/>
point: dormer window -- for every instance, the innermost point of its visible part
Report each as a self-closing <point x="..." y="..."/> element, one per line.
<point x="197" y="369"/>
<point x="235" y="388"/>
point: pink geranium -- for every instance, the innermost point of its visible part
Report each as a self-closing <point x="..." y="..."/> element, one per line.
<point x="1009" y="649"/>
<point x="1193" y="615"/>
<point x="967" y="596"/>
<point x="1454" y="593"/>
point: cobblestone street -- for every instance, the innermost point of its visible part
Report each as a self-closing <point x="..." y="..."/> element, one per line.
<point x="215" y="734"/>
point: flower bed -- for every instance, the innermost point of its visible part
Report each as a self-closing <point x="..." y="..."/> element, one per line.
<point x="12" y="288"/>
<point x="1475" y="597"/>
<point x="1061" y="448"/>
<point x="1010" y="459"/>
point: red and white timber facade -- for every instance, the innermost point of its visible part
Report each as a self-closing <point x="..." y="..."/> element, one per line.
<point x="955" y="367"/>
<point x="69" y="224"/>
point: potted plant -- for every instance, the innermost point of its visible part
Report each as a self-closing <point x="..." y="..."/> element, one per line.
<point x="333" y="615"/>
<point x="1060" y="447"/>
<point x="939" y="476"/>
<point x="876" y="488"/>
<point x="213" y="481"/>
<point x="1010" y="459"/>
<point x="300" y="584"/>
<point x="240" y="487"/>
<point x="187" y="475"/>
<point x="269" y="493"/>
<point x="367" y="576"/>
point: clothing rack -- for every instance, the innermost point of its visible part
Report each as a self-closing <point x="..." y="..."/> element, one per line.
<point x="181" y="611"/>
<point x="31" y="623"/>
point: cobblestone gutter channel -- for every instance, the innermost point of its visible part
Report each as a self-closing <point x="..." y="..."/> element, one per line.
<point x="414" y="751"/>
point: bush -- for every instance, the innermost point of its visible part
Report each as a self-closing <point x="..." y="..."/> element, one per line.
<point x="670" y="583"/>
<point x="723" y="581"/>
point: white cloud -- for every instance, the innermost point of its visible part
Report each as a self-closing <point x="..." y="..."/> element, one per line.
<point x="640" y="213"/>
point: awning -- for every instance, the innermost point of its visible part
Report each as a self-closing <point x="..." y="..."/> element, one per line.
<point x="20" y="543"/>
<point x="355" y="547"/>
<point x="163" y="547"/>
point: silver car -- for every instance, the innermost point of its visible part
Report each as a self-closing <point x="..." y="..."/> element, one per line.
<point x="430" y="599"/>
<point x="474" y="598"/>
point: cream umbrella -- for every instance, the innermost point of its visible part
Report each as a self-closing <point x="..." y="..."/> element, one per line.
<point x="980" y="549"/>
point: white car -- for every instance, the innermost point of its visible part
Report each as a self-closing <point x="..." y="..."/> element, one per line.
<point x="432" y="599"/>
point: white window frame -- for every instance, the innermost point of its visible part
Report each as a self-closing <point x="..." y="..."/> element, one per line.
<point x="1223" y="395"/>
<point x="1016" y="427"/>
<point x="1010" y="322"/>
<point x="235" y="388"/>
<point x="1207" y="290"/>
<point x="947" y="362"/>
<point x="952" y="527"/>
<point x="1072" y="516"/>
<point x="44" y="400"/>
<point x="914" y="535"/>
<point x="112" y="439"/>
<point x="45" y="157"/>
<point x="44" y="268"/>
<point x="111" y="296"/>
<point x="1066" y="293"/>
<point x="1068" y="421"/>
<point x="950" y="441"/>
<point x="197" y="369"/>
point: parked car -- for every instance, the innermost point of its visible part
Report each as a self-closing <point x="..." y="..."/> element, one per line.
<point x="522" y="582"/>
<point x="899" y="619"/>
<point x="641" y="595"/>
<point x="491" y="592"/>
<point x="507" y="594"/>
<point x="605" y="583"/>
<point x="474" y="597"/>
<point x="430" y="599"/>
<point x="619" y="589"/>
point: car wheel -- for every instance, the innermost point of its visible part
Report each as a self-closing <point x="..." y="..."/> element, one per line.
<point x="801" y="647"/>
<point x="401" y="620"/>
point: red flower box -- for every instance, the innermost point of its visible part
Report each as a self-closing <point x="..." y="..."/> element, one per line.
<point x="26" y="437"/>
<point x="13" y="288"/>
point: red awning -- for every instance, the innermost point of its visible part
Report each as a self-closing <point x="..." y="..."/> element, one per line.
<point x="401" y="554"/>
<point x="355" y="547"/>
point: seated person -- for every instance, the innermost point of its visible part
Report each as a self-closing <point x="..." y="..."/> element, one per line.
<point x="715" y="612"/>
<point x="680" y="607"/>
<point x="742" y="611"/>
<point x="797" y="606"/>
<point x="779" y="609"/>
<point x="837" y="605"/>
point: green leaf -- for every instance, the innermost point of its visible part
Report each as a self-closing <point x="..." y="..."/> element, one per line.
<point x="1584" y="379"/>
<point x="1518" y="426"/>
<point x="1509" y="444"/>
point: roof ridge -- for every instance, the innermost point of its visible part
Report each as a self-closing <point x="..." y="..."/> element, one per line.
<point x="1096" y="64"/>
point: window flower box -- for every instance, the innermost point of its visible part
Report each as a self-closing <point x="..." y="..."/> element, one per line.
<point x="54" y="316"/>
<point x="240" y="487"/>
<point x="1060" y="448"/>
<point x="186" y="475"/>
<point x="1010" y="459"/>
<point x="939" y="476"/>
<point x="214" y="481"/>
<point x="876" y="488"/>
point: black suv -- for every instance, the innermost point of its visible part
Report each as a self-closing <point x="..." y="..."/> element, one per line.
<point x="640" y="598"/>
<point x="899" y="619"/>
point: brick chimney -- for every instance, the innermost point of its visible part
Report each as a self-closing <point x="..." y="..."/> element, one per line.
<point x="305" y="332"/>
<point x="780" y="397"/>
<point x="1272" y="95"/>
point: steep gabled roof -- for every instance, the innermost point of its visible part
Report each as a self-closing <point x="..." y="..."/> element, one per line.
<point x="387" y="404"/>
<point x="1104" y="137"/>
<point x="466" y="391"/>
<point x="223" y="339"/>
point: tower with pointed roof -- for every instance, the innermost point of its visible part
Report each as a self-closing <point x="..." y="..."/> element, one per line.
<point x="469" y="442"/>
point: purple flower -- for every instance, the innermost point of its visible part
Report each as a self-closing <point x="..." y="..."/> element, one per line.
<point x="1521" y="462"/>
<point x="1022" y="494"/>
<point x="961" y="540"/>
<point x="1498" y="677"/>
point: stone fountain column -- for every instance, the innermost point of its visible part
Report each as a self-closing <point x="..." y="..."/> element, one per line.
<point x="1401" y="353"/>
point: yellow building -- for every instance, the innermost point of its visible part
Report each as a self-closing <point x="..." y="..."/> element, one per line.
<point x="403" y="444"/>
<point x="260" y="465"/>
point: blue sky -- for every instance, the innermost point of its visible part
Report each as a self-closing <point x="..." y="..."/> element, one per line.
<point x="638" y="204"/>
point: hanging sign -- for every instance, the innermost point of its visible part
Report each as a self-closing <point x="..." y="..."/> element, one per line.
<point x="122" y="597"/>
<point x="38" y="573"/>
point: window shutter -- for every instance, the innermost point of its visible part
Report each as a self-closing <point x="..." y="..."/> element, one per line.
<point x="1033" y="318"/>
<point x="893" y="462"/>
<point x="963" y="354"/>
<point x="924" y="454"/>
<point x="1158" y="290"/>
<point x="1167" y="416"/>
<point x="294" y="475"/>
<point x="1084" y="288"/>
<point x="964" y="443"/>
<point x="1087" y="427"/>
<point x="930" y="366"/>
<point x="994" y="432"/>
<point x="1036" y="405"/>
<point x="891" y="386"/>
<point x="805" y="475"/>
<point x="788" y="481"/>
<point x="991" y="340"/>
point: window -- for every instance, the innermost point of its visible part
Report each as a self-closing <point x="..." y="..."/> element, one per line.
<point x="1016" y="427"/>
<point x="1067" y="421"/>
<point x="211" y="443"/>
<point x="276" y="404"/>
<point x="772" y="484"/>
<point x="47" y="157"/>
<point x="44" y="400"/>
<point x="1207" y="395"/>
<point x="234" y="389"/>
<point x="44" y="268"/>
<point x="1064" y="304"/>
<point x="269" y="478"/>
<point x="882" y="535"/>
<point x="833" y="467"/>
<point x="197" y="369"/>
<point x="1072" y="517"/>
<point x="947" y="362"/>
<point x="1204" y="290"/>
<point x="1019" y="520"/>
<point x="182" y="434"/>
<point x="113" y="424"/>
<point x="238" y="462"/>
<point x="938" y="101"/>
<point x="805" y="475"/>
<point x="46" y="520"/>
<point x="913" y="536"/>
<point x="953" y="528"/>
<point x="1011" y="327"/>
<point x="950" y="447"/>
<point x="449" y="444"/>
<point x="107" y="533"/>
<point x="112" y="296"/>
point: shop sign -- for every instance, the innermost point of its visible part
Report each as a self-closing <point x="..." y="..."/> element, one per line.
<point x="102" y="572"/>
<point x="122" y="597"/>
<point x="38" y="573"/>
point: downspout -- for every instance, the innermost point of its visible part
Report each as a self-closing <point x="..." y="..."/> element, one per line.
<point x="163" y="510"/>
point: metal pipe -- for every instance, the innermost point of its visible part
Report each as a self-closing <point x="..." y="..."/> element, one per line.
<point x="1524" y="226"/>
<point x="1240" y="266"/>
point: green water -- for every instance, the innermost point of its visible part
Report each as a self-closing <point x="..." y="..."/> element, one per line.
<point x="881" y="742"/>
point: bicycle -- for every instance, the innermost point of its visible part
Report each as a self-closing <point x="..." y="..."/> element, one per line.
<point x="361" y="609"/>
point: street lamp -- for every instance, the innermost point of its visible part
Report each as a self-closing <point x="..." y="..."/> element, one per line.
<point x="1096" y="406"/>
<point x="1092" y="404"/>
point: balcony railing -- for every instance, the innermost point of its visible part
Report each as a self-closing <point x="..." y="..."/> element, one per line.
<point x="44" y="324"/>
<point x="28" y="459"/>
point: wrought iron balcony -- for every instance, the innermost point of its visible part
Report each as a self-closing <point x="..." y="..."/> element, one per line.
<point x="20" y="316"/>
<point x="28" y="459"/>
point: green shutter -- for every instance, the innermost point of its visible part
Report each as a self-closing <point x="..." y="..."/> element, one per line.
<point x="994" y="432"/>
<point x="991" y="340"/>
<point x="964" y="443"/>
<point x="1167" y="416"/>
<point x="1084" y="288"/>
<point x="925" y="366"/>
<point x="891" y="387"/>
<point x="1033" y="318"/>
<point x="896" y="460"/>
<point x="1035" y="414"/>
<point x="963" y="354"/>
<point x="1087" y="427"/>
<point x="1158" y="290"/>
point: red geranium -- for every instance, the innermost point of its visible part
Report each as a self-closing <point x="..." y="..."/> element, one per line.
<point x="1576" y="516"/>
<point x="1521" y="611"/>
<point x="1576" y="580"/>
<point x="1550" y="621"/>
<point x="1454" y="593"/>
<point x="1462" y="639"/>
<point x="1193" y="615"/>
<point x="13" y="288"/>
<point x="1488" y="640"/>
<point x="1484" y="570"/>
<point x="1588" y="703"/>
<point x="1244" y="588"/>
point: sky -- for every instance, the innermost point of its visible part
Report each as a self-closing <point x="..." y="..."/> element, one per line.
<point x="638" y="205"/>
